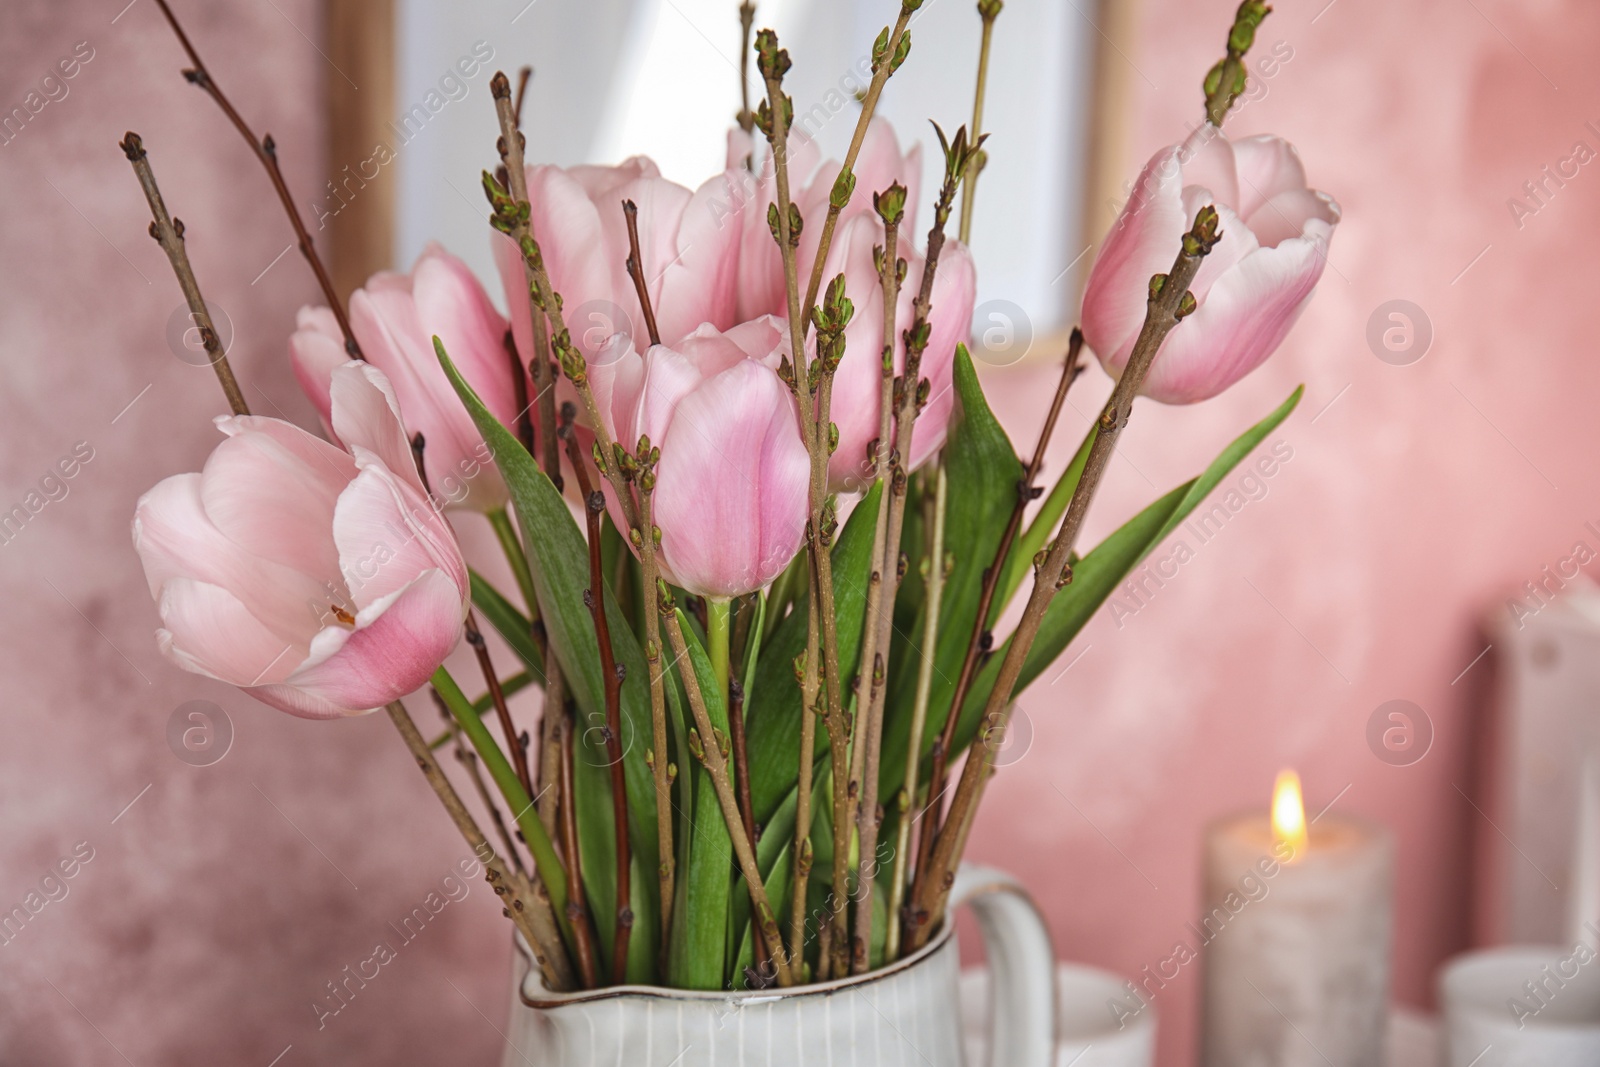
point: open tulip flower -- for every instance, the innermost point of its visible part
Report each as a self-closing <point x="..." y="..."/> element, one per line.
<point x="689" y="252"/>
<point x="1253" y="285"/>
<point x="320" y="581"/>
<point x="730" y="492"/>
<point x="395" y="318"/>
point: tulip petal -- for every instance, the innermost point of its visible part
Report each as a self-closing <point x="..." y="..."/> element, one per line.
<point x="315" y="348"/>
<point x="1142" y="242"/>
<point x="1245" y="316"/>
<point x="1208" y="161"/>
<point x="397" y="644"/>
<point x="700" y="283"/>
<point x="276" y="501"/>
<point x="1294" y="213"/>
<point x="732" y="483"/>
<point x="366" y="416"/>
<point x="387" y="536"/>
<point x="1267" y="166"/>
<point x="207" y="630"/>
<point x="175" y="539"/>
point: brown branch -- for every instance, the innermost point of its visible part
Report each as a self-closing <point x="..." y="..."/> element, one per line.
<point x="813" y="390"/>
<point x="646" y="538"/>
<point x="884" y="64"/>
<point x="981" y="639"/>
<point x="510" y="146"/>
<point x="168" y="233"/>
<point x="808" y="757"/>
<point x="522" y="94"/>
<point x="469" y="760"/>
<point x="741" y="766"/>
<point x="497" y="696"/>
<point x="549" y="797"/>
<point x="988" y="11"/>
<point x="519" y="395"/>
<point x="528" y="910"/>
<point x="266" y="151"/>
<point x="717" y="767"/>
<point x="577" y="903"/>
<point x="630" y="211"/>
<point x="613" y="674"/>
<point x="874" y="662"/>
<point x="1169" y="303"/>
<point x="746" y="117"/>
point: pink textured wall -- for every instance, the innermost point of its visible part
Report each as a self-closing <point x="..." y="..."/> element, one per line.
<point x="1416" y="499"/>
<point x="217" y="905"/>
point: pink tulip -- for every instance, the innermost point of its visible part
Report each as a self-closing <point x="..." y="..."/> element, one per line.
<point x="731" y="487"/>
<point x="395" y="318"/>
<point x="688" y="245"/>
<point x="858" y="383"/>
<point x="319" y="581"/>
<point x="879" y="165"/>
<point x="1250" y="289"/>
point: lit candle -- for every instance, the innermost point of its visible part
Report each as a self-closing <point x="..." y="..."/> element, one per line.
<point x="1296" y="938"/>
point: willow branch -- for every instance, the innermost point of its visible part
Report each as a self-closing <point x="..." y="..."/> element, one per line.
<point x="519" y="754"/>
<point x="717" y="767"/>
<point x="747" y="19"/>
<point x="583" y="934"/>
<point x="613" y="674"/>
<point x="1227" y="79"/>
<point x="981" y="639"/>
<point x="266" y="151"/>
<point x="469" y="760"/>
<point x="530" y="912"/>
<point x="888" y="52"/>
<point x="635" y="264"/>
<point x="741" y="767"/>
<point x="510" y="146"/>
<point x="909" y="397"/>
<point x="935" y="567"/>
<point x="168" y="233"/>
<point x="988" y="11"/>
<point x="1169" y="302"/>
<point x="646" y="539"/>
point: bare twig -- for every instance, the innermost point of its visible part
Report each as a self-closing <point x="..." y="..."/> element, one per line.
<point x="988" y="11"/>
<point x="980" y="640"/>
<point x="522" y="94"/>
<point x="646" y="540"/>
<point x="741" y="766"/>
<point x="519" y="755"/>
<point x="888" y="52"/>
<point x="1169" y="302"/>
<point x="510" y="145"/>
<point x="469" y="759"/>
<point x="630" y="211"/>
<point x="747" y="19"/>
<point x="168" y="233"/>
<point x="717" y="767"/>
<point x="935" y="573"/>
<point x="583" y="935"/>
<point x="530" y="911"/>
<point x="613" y="674"/>
<point x="266" y="151"/>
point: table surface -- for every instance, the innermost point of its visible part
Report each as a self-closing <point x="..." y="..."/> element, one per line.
<point x="1413" y="1036"/>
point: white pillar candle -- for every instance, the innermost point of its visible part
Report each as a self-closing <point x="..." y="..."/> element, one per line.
<point x="1296" y="933"/>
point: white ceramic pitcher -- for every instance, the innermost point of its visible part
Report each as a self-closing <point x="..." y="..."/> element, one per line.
<point x="906" y="1013"/>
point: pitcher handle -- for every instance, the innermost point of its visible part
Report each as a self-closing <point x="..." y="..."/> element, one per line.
<point x="1022" y="967"/>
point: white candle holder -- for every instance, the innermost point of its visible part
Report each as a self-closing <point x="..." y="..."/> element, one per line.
<point x="1522" y="1006"/>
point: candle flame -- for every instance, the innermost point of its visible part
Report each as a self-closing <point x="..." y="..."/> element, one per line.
<point x="1288" y="817"/>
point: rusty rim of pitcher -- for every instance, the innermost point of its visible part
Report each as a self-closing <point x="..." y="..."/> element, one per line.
<point x="548" y="1000"/>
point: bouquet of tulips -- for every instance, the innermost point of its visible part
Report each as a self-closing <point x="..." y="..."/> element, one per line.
<point x="760" y="542"/>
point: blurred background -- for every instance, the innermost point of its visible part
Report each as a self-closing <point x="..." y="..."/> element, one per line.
<point x="1424" y="542"/>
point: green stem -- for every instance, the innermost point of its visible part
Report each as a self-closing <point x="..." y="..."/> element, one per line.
<point x="548" y="864"/>
<point x="718" y="616"/>
<point x="511" y="545"/>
